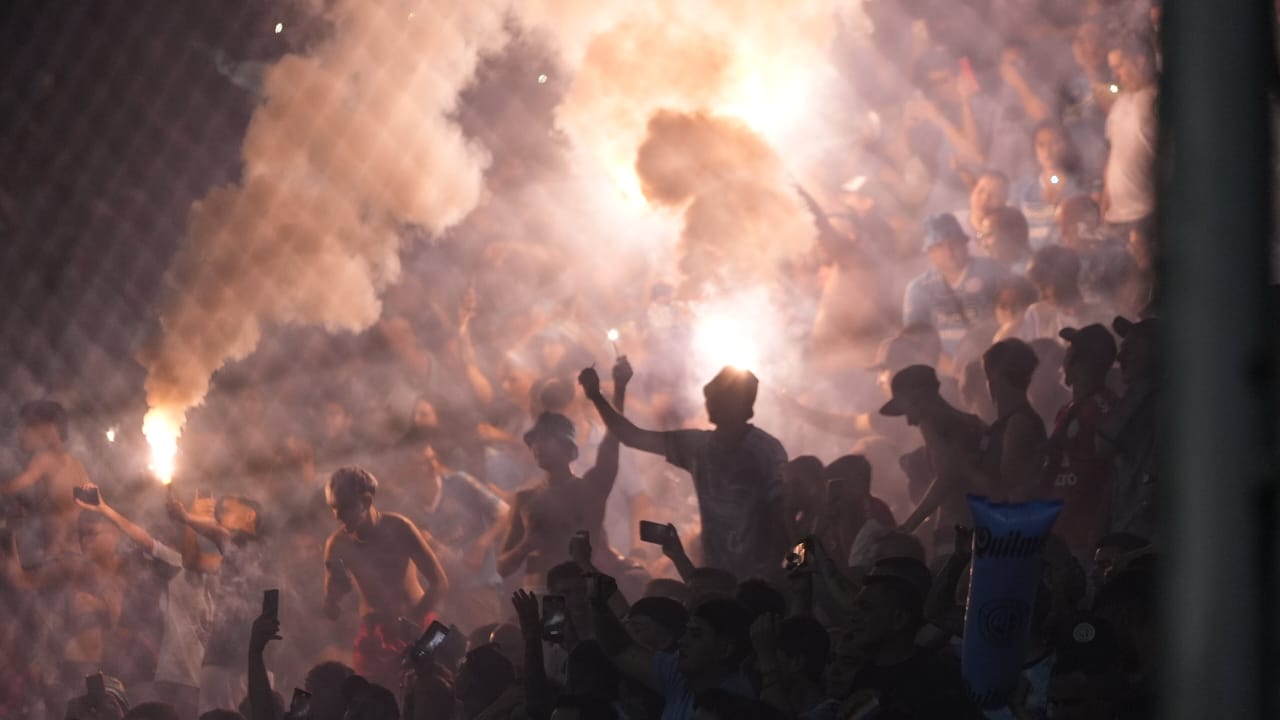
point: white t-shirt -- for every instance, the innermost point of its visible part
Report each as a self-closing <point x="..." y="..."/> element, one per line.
<point x="1130" y="175"/>
<point x="188" y="614"/>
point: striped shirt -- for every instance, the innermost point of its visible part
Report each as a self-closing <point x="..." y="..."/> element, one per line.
<point x="954" y="310"/>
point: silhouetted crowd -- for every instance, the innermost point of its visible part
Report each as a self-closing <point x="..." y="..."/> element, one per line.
<point x="449" y="517"/>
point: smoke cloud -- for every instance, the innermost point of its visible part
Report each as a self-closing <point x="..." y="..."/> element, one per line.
<point x="678" y="101"/>
<point x="742" y="219"/>
<point x="352" y="141"/>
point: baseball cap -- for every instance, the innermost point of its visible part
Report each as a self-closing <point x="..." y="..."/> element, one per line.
<point x="554" y="425"/>
<point x="1085" y="644"/>
<point x="911" y="380"/>
<point x="907" y="572"/>
<point x="1095" y="341"/>
<point x="1130" y="330"/>
<point x="941" y="228"/>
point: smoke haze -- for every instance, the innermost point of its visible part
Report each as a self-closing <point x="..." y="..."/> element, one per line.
<point x="356" y="140"/>
<point x="351" y="142"/>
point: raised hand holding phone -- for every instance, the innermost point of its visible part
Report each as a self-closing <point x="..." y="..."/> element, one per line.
<point x="654" y="533"/>
<point x="271" y="603"/>
<point x="87" y="495"/>
<point x="424" y="650"/>
<point x="267" y="626"/>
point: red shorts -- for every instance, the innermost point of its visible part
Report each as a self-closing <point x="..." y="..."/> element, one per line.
<point x="380" y="648"/>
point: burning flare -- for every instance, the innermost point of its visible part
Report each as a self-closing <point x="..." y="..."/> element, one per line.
<point x="723" y="337"/>
<point x="161" y="430"/>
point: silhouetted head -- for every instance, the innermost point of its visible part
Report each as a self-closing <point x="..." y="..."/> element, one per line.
<point x="914" y="391"/>
<point x="1009" y="365"/>
<point x="552" y="440"/>
<point x="1091" y="351"/>
<point x="731" y="396"/>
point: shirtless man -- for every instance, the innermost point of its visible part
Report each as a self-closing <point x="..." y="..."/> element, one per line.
<point x="383" y="553"/>
<point x="45" y="487"/>
<point x="544" y="518"/>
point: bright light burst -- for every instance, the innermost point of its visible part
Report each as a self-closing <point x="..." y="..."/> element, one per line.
<point x="279" y="28"/>
<point x="111" y="434"/>
<point x="162" y="431"/>
<point x="723" y="337"/>
<point x="613" y="335"/>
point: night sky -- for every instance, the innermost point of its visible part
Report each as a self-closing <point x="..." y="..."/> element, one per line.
<point x="115" y="119"/>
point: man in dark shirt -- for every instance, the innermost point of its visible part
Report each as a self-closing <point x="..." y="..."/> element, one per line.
<point x="1075" y="471"/>
<point x="1132" y="431"/>
<point x="1012" y="456"/>
<point x="737" y="472"/>
<point x="906" y="681"/>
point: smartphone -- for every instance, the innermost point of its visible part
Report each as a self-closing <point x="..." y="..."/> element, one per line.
<point x="86" y="495"/>
<point x="430" y="641"/>
<point x="554" y="618"/>
<point x="300" y="705"/>
<point x="271" y="603"/>
<point x="798" y="557"/>
<point x="652" y="532"/>
<point x="96" y="689"/>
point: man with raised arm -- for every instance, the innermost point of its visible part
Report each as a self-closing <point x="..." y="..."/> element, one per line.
<point x="545" y="517"/>
<point x="736" y="468"/>
<point x="184" y="605"/>
<point x="383" y="553"/>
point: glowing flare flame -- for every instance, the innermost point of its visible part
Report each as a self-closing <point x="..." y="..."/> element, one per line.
<point x="726" y="339"/>
<point x="162" y="431"/>
<point x="613" y="335"/>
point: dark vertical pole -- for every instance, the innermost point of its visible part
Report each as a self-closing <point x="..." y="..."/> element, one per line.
<point x="1215" y="175"/>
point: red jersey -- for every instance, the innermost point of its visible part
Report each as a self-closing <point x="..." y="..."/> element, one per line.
<point x="1075" y="473"/>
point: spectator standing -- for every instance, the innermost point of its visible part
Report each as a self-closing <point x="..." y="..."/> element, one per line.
<point x="1012" y="453"/>
<point x="1129" y="194"/>
<point x="957" y="294"/>
<point x="1131" y="431"/>
<point x="1075" y="472"/>
<point x="952" y="444"/>
<point x="737" y="471"/>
